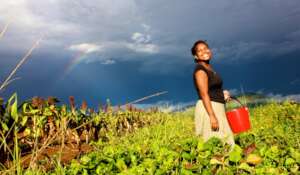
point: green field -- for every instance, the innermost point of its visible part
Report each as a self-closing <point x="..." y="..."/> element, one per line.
<point x="133" y="141"/>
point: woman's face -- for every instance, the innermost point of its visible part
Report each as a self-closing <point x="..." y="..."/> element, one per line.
<point x="203" y="52"/>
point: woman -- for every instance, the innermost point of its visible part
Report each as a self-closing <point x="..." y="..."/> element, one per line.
<point x="210" y="116"/>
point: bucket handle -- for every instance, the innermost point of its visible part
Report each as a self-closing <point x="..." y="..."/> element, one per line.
<point x="236" y="100"/>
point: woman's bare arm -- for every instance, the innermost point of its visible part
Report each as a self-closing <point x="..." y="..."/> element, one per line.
<point x="202" y="83"/>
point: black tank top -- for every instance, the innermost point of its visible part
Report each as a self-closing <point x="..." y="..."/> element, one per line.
<point x="215" y="83"/>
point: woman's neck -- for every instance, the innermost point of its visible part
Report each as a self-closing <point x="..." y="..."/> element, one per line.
<point x="204" y="63"/>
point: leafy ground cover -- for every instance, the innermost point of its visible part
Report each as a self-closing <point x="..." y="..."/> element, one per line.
<point x="167" y="145"/>
<point x="40" y="133"/>
<point x="270" y="147"/>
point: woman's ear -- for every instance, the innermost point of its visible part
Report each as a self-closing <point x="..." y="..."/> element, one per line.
<point x="195" y="57"/>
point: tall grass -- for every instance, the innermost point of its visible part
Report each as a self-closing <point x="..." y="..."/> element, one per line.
<point x="9" y="79"/>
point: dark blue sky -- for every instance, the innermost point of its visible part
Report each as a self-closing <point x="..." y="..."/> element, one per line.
<point x="125" y="50"/>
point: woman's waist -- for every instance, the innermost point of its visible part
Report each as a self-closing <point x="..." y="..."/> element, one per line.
<point x="218" y="101"/>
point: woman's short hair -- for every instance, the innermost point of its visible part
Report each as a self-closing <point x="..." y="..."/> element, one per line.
<point x="193" y="49"/>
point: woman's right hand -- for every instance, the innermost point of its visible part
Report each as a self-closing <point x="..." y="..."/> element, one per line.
<point x="214" y="123"/>
<point x="227" y="95"/>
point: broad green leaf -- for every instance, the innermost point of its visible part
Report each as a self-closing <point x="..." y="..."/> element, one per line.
<point x="275" y="149"/>
<point x="236" y="154"/>
<point x="14" y="107"/>
<point x="85" y="160"/>
<point x="47" y="112"/>
<point x="24" y="107"/>
<point x="133" y="159"/>
<point x="253" y="159"/>
<point x="295" y="169"/>
<point x="214" y="161"/>
<point x="200" y="145"/>
<point x="186" y="156"/>
<point x="263" y="150"/>
<point x="27" y="132"/>
<point x="4" y="126"/>
<point x="24" y="120"/>
<point x="295" y="154"/>
<point x="186" y="172"/>
<point x="14" y="96"/>
<point x="272" y="170"/>
<point x="120" y="164"/>
<point x="245" y="166"/>
<point x="289" y="161"/>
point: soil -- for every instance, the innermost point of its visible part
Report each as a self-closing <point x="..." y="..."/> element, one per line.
<point x="50" y="156"/>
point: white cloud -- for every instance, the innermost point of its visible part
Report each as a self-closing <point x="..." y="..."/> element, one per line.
<point x="109" y="61"/>
<point x="268" y="95"/>
<point x="280" y="97"/>
<point x="122" y="50"/>
<point x="100" y="29"/>
<point x="167" y="106"/>
<point x="144" y="48"/>
<point x="86" y="47"/>
<point x="142" y="43"/>
<point x="66" y="22"/>
<point x="140" y="38"/>
<point x="132" y="29"/>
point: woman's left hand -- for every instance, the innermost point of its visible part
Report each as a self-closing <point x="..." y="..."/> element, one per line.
<point x="226" y="95"/>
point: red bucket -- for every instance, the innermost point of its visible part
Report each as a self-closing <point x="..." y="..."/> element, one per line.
<point x="238" y="118"/>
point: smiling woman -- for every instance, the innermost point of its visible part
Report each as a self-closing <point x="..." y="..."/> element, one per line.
<point x="210" y="116"/>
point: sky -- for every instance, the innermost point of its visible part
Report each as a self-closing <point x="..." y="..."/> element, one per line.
<point x="125" y="50"/>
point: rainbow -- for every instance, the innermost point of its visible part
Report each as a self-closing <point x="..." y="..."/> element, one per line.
<point x="72" y="64"/>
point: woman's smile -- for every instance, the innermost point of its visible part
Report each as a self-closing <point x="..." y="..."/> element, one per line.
<point x="203" y="52"/>
<point x="206" y="56"/>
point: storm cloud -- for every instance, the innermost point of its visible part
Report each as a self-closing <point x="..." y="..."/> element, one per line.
<point x="156" y="36"/>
